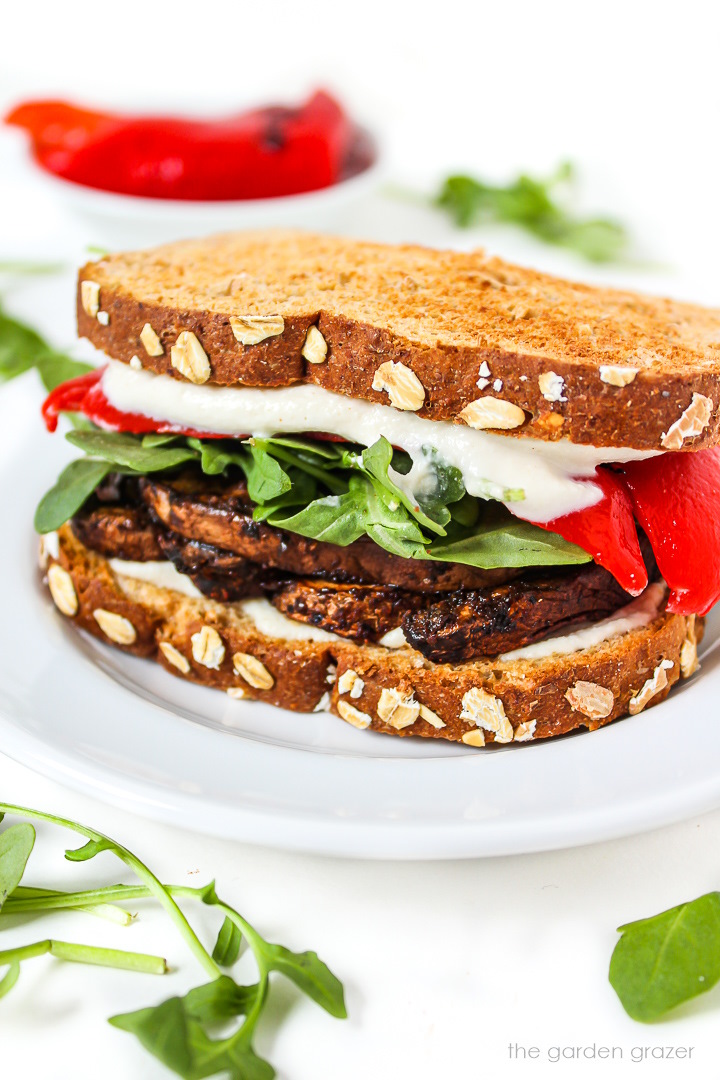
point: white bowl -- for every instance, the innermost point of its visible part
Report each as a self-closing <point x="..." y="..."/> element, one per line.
<point x="126" y="220"/>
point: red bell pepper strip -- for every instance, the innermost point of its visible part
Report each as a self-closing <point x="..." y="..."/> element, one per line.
<point x="607" y="531"/>
<point x="263" y="153"/>
<point x="676" y="498"/>
<point x="84" y="394"/>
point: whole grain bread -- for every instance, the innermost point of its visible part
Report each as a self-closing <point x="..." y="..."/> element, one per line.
<point x="394" y="691"/>
<point x="600" y="366"/>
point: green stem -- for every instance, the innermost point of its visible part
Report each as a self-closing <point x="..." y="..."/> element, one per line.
<point x="123" y="893"/>
<point x="87" y="954"/>
<point x="27" y="899"/>
<point x="154" y="885"/>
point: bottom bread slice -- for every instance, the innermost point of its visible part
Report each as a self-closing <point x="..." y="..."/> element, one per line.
<point x="395" y="691"/>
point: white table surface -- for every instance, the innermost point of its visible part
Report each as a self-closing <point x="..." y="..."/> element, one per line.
<point x="445" y="964"/>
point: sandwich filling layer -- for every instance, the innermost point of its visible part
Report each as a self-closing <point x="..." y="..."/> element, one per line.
<point x="540" y="480"/>
<point x="201" y="538"/>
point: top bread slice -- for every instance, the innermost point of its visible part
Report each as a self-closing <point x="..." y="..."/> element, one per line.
<point x="599" y="366"/>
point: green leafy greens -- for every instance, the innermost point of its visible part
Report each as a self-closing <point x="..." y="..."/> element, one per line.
<point x="22" y="349"/>
<point x="663" y="961"/>
<point x="326" y="491"/>
<point x="533" y="205"/>
<point x="180" y="1031"/>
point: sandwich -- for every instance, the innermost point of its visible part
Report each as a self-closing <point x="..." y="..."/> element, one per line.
<point x="430" y="492"/>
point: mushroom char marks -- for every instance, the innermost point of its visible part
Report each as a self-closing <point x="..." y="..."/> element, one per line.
<point x="230" y="557"/>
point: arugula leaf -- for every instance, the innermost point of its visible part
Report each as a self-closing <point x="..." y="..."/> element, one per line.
<point x="175" y="1031"/>
<point x="266" y="479"/>
<point x="127" y="451"/>
<point x="502" y="540"/>
<point x="663" y="961"/>
<point x="303" y="491"/>
<point x="377" y="460"/>
<point x="21" y="349"/>
<point x="16" y="844"/>
<point x="531" y="204"/>
<point x="311" y="975"/>
<point x="73" y="487"/>
<point x="373" y="492"/>
<point x="336" y="519"/>
<point x="227" y="946"/>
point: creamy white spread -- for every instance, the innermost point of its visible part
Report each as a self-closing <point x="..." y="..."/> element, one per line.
<point x="272" y="622"/>
<point x="638" y="613"/>
<point x="162" y="574"/>
<point x="261" y="612"/>
<point x="491" y="465"/>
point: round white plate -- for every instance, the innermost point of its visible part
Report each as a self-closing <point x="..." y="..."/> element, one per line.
<point x="124" y="730"/>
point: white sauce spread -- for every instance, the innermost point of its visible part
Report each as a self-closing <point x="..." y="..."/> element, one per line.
<point x="267" y="618"/>
<point x="635" y="615"/>
<point x="162" y="574"/>
<point x="490" y="464"/>
<point x="272" y="622"/>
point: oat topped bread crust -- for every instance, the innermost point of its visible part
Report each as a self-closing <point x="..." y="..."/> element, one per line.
<point x="449" y="329"/>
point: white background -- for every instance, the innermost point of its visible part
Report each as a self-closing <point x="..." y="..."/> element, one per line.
<point x="444" y="964"/>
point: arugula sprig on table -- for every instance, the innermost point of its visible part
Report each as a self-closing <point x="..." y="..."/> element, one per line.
<point x="180" y="1030"/>
<point x="535" y="205"/>
<point x="22" y="348"/>
<point x="326" y="491"/>
<point x="668" y="959"/>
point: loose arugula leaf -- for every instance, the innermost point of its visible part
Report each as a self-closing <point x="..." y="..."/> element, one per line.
<point x="336" y="519"/>
<point x="302" y="492"/>
<point x="342" y="519"/>
<point x="311" y="975"/>
<point x="156" y="438"/>
<point x="660" y="962"/>
<point x="16" y="844"/>
<point x="127" y="451"/>
<point x="21" y="349"/>
<point x="266" y="479"/>
<point x="216" y="456"/>
<point x="502" y="540"/>
<point x="442" y="483"/>
<point x="73" y="487"/>
<point x="227" y="946"/>
<point x="320" y="468"/>
<point x="173" y="1032"/>
<point x="328" y="451"/>
<point x="163" y="1031"/>
<point x="221" y="999"/>
<point x="532" y="205"/>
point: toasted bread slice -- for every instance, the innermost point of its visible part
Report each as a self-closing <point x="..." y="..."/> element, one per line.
<point x="599" y="366"/>
<point x="395" y="691"/>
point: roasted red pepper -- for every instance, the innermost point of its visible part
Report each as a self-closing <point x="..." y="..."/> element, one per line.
<point x="676" y="498"/>
<point x="607" y="531"/>
<point x="263" y="153"/>
<point x="84" y="394"/>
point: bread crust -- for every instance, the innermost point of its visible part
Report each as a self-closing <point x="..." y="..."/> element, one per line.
<point x="537" y="698"/>
<point x="448" y="316"/>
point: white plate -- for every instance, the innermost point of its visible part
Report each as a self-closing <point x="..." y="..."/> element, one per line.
<point x="125" y="731"/>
